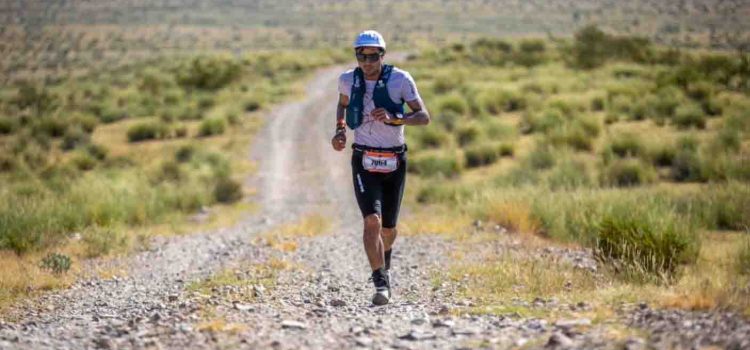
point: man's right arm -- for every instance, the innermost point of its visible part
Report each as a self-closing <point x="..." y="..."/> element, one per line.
<point x="339" y="139"/>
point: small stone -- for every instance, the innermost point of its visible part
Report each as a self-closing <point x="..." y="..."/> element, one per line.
<point x="289" y="324"/>
<point x="356" y="330"/>
<point x="419" y="321"/>
<point x="104" y="343"/>
<point x="156" y="317"/>
<point x="243" y="307"/>
<point x="444" y="310"/>
<point x="634" y="344"/>
<point x="573" y="323"/>
<point x="443" y="324"/>
<point x="173" y="297"/>
<point x="464" y="331"/>
<point x="337" y="303"/>
<point x="363" y="341"/>
<point x="416" y="335"/>
<point x="559" y="340"/>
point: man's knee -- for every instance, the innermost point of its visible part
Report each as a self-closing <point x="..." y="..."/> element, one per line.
<point x="372" y="225"/>
<point x="389" y="231"/>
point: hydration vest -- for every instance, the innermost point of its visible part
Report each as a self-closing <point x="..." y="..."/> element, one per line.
<point x="380" y="97"/>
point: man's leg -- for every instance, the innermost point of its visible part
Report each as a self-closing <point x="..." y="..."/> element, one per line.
<point x="373" y="241"/>
<point x="389" y="236"/>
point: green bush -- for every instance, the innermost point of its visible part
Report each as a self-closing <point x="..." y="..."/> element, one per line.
<point x="627" y="172"/>
<point x="49" y="126"/>
<point x="569" y="174"/>
<point x="101" y="241"/>
<point x="212" y="126"/>
<point x="55" y="262"/>
<point x="227" y="190"/>
<point x="542" y="157"/>
<point x="541" y="121"/>
<point x="74" y="137"/>
<point x="99" y="152"/>
<point x="625" y="145"/>
<point x="468" y="133"/>
<point x="208" y="72"/>
<point x="185" y="153"/>
<point x="662" y="154"/>
<point x="7" y="125"/>
<point x="442" y="192"/>
<point x="690" y="115"/>
<point x="480" y="155"/>
<point x="143" y="131"/>
<point x="83" y="161"/>
<point x="431" y="137"/>
<point x="571" y="135"/>
<point x="435" y="165"/>
<point x="687" y="166"/>
<point x="642" y="242"/>
<point x="86" y="122"/>
<point x="452" y="103"/>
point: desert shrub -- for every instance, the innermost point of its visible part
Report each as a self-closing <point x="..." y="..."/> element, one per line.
<point x="645" y="241"/>
<point x="49" y="126"/>
<point x="180" y="130"/>
<point x="84" y="121"/>
<point x="101" y="241"/>
<point x="208" y="72"/>
<point x="573" y="135"/>
<point x="687" y="166"/>
<point x="452" y="103"/>
<point x="662" y="154"/>
<point x="626" y="145"/>
<point x="590" y="48"/>
<point x="432" y="137"/>
<point x="569" y="174"/>
<point x="147" y="131"/>
<point x="169" y="170"/>
<point x="185" y="153"/>
<point x="548" y="118"/>
<point x="83" y="161"/>
<point x="496" y="129"/>
<point x="598" y="103"/>
<point x="56" y="263"/>
<point x="689" y="115"/>
<point x="442" y="192"/>
<point x="227" y="190"/>
<point x="436" y="165"/>
<point x="725" y="207"/>
<point x="482" y="154"/>
<point x="74" y="137"/>
<point x="541" y="157"/>
<point x="468" y="133"/>
<point x="496" y="101"/>
<point x="7" y="125"/>
<point x="531" y="52"/>
<point x="212" y="126"/>
<point x="627" y="172"/>
<point x="99" y="152"/>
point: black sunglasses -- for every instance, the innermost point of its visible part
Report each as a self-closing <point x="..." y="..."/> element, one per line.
<point x="361" y="57"/>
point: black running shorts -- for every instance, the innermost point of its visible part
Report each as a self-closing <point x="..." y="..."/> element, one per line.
<point x="379" y="193"/>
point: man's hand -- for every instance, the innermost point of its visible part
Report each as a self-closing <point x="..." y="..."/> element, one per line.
<point x="339" y="140"/>
<point x="381" y="115"/>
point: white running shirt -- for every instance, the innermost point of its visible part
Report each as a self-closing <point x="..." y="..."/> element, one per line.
<point x="376" y="134"/>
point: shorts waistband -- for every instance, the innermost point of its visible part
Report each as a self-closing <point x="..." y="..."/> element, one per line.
<point x="363" y="148"/>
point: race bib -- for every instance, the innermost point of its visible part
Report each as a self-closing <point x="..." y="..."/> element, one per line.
<point x="380" y="162"/>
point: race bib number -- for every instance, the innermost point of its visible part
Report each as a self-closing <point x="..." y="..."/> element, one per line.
<point x="380" y="162"/>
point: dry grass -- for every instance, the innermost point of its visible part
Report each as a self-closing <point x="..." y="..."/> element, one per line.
<point x="284" y="238"/>
<point x="220" y="325"/>
<point x="21" y="276"/>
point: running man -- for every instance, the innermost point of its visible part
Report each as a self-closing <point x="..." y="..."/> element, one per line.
<point x="371" y="102"/>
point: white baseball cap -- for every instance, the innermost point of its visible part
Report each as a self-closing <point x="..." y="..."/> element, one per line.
<point x="369" y="38"/>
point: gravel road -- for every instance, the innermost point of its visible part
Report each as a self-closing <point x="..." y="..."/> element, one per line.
<point x="323" y="302"/>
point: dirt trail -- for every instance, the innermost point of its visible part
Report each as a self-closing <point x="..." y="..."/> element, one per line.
<point x="322" y="303"/>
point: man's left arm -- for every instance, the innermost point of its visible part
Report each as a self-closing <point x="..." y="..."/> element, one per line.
<point x="418" y="114"/>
